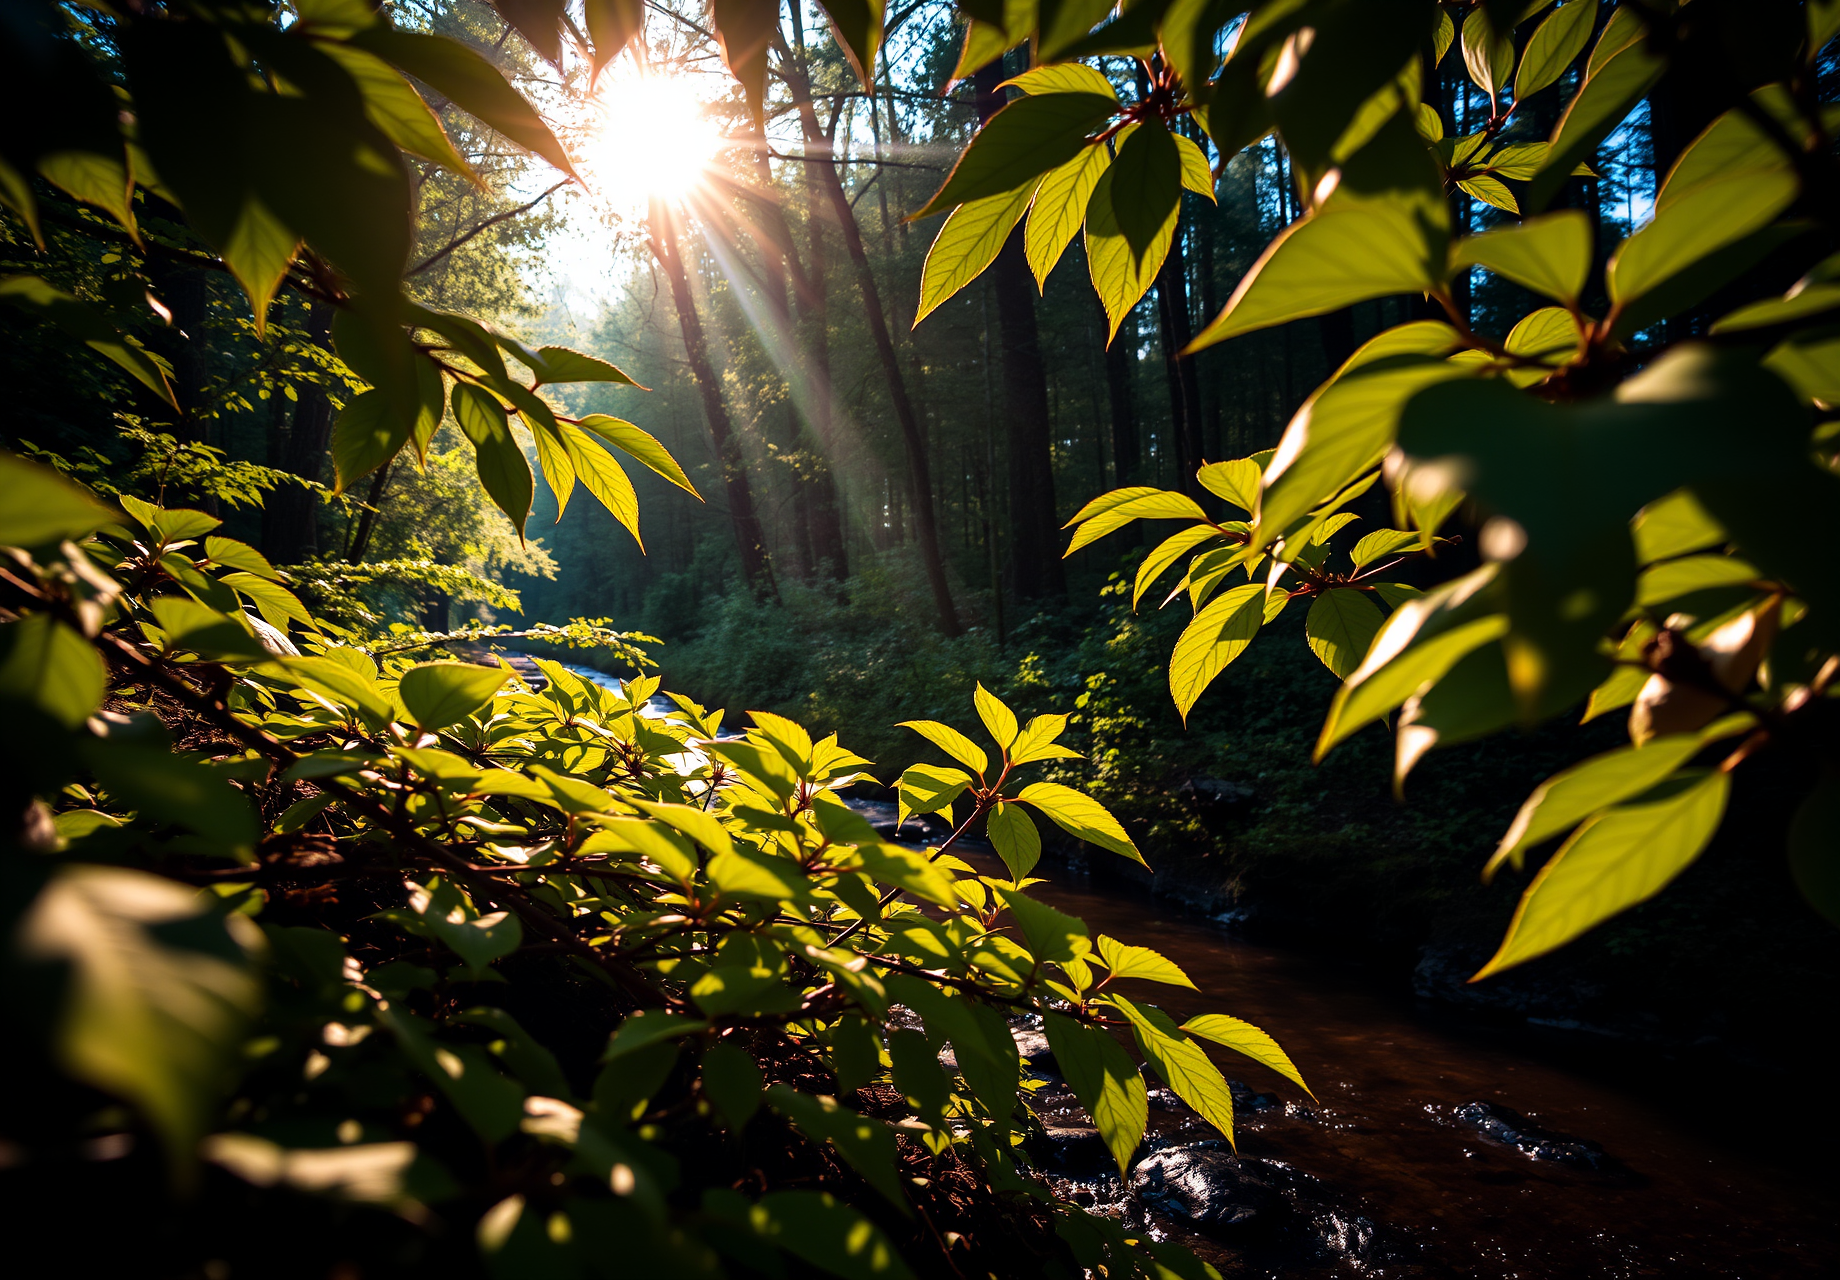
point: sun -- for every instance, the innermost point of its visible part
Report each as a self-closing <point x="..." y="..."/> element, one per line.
<point x="656" y="137"/>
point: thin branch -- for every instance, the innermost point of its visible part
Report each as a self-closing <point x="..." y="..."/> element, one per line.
<point x="489" y="223"/>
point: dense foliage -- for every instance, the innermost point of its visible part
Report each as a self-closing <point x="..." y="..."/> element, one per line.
<point x="424" y="965"/>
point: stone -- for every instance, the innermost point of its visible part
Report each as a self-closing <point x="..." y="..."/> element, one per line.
<point x="1208" y="1188"/>
<point x="1512" y="1129"/>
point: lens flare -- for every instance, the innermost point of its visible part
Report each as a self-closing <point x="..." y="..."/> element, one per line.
<point x="657" y="140"/>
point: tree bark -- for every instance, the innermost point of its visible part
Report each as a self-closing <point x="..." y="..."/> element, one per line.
<point x="822" y="160"/>
<point x="1120" y="357"/>
<point x="819" y="508"/>
<point x="1034" y="553"/>
<point x="290" y="517"/>
<point x="1184" y="389"/>
<point x="667" y="247"/>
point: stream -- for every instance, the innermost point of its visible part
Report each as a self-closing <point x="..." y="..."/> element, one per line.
<point x="1435" y="1147"/>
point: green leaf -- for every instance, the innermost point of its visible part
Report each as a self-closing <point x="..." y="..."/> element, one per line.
<point x="745" y="30"/>
<point x="1550" y="254"/>
<point x="646" y="1028"/>
<point x="748" y="991"/>
<point x="968" y="243"/>
<point x="471" y="81"/>
<point x="331" y="677"/>
<point x="368" y="433"/>
<point x="1236" y="481"/>
<point x="1036" y="741"/>
<point x="1146" y="187"/>
<point x="1569" y="797"/>
<point x="1062" y="77"/>
<point x="1060" y="206"/>
<point x="1624" y="29"/>
<point x="1489" y="191"/>
<point x="1673" y="526"/>
<point x="553" y="457"/>
<point x="747" y="873"/>
<point x="1382" y="543"/>
<point x="665" y="848"/>
<point x="392" y="104"/>
<point x="159" y="997"/>
<point x="1554" y="45"/>
<point x="42" y="507"/>
<point x="1623" y="856"/>
<point x="1730" y="146"/>
<point x="46" y="664"/>
<point x="828" y="1234"/>
<point x="1423" y="639"/>
<point x="1022" y="141"/>
<point x="909" y="870"/>
<point x="1699" y="223"/>
<point x="1052" y="935"/>
<point x="1141" y="962"/>
<point x="1338" y="256"/>
<point x="1080" y="816"/>
<point x="1197" y="174"/>
<point x="94" y="178"/>
<point x="700" y="825"/>
<point x="732" y="1082"/>
<point x="1800" y="303"/>
<point x="489" y="1102"/>
<point x="1182" y="1063"/>
<point x="858" y="27"/>
<point x="231" y="554"/>
<point x="1167" y="552"/>
<point x="603" y="477"/>
<point x="950" y="741"/>
<point x="1601" y="103"/>
<point x="1675" y="578"/>
<point x="504" y="471"/>
<point x="564" y="364"/>
<point x="1487" y="53"/>
<point x="277" y="605"/>
<point x="1138" y="503"/>
<point x="867" y="1145"/>
<point x="439" y="694"/>
<point x="1120" y="276"/>
<point x="1214" y="638"/>
<point x="1012" y="834"/>
<point x="1104" y="1079"/>
<point x="926" y="788"/>
<point x="192" y="627"/>
<point x="90" y="326"/>
<point x="1244" y="1038"/>
<point x="997" y="717"/>
<point x="1341" y="625"/>
<point x="641" y="446"/>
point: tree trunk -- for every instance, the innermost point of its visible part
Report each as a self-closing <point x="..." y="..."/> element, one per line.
<point x="667" y="247"/>
<point x="822" y="161"/>
<point x="1120" y="358"/>
<point x="819" y="507"/>
<point x="1034" y="553"/>
<point x="290" y="517"/>
<point x="1184" y="390"/>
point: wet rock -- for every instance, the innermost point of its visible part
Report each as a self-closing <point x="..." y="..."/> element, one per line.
<point x="1512" y="1129"/>
<point x="1246" y="1099"/>
<point x="1207" y="1188"/>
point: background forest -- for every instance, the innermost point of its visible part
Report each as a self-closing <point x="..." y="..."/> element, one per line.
<point x="883" y="499"/>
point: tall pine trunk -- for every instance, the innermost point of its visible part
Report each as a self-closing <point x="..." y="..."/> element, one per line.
<point x="1034" y="552"/>
<point x="667" y="248"/>
<point x="821" y="160"/>
<point x="290" y="517"/>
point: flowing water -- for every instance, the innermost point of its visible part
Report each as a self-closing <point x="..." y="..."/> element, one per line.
<point x="1702" y="1174"/>
<point x="1685" y="1189"/>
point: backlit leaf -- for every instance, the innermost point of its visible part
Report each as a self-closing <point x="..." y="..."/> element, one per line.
<point x="1623" y="856"/>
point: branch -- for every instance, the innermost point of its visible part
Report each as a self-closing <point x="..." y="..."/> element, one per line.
<point x="490" y="222"/>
